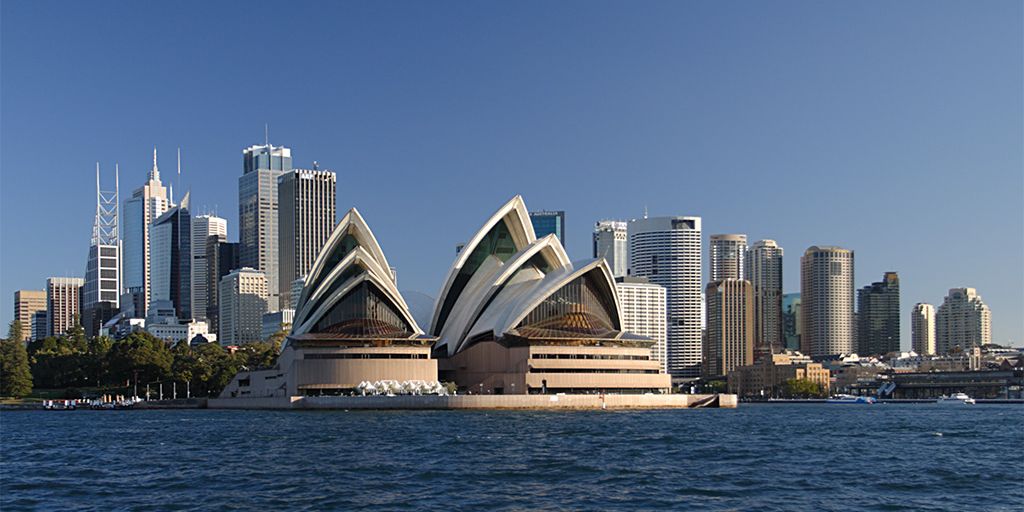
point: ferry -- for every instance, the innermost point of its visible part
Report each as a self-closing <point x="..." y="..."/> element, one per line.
<point x="955" y="399"/>
<point x="850" y="399"/>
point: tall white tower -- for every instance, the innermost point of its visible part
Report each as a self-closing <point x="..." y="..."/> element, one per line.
<point x="258" y="212"/>
<point x="203" y="226"/>
<point x="763" y="268"/>
<point x="307" y="213"/>
<point x="963" y="320"/>
<point x="101" y="293"/>
<point x="612" y="243"/>
<point x="667" y="251"/>
<point x="147" y="203"/>
<point x="827" y="304"/>
<point x="922" y="327"/>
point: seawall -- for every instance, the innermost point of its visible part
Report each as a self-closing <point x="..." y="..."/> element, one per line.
<point x="476" y="402"/>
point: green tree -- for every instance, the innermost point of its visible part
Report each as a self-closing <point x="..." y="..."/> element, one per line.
<point x="14" y="333"/>
<point x="259" y="354"/>
<point x="802" y="388"/>
<point x="142" y="354"/>
<point x="15" y="376"/>
<point x="60" y="362"/>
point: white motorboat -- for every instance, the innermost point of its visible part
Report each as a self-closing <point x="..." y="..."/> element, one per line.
<point x="955" y="399"/>
<point x="850" y="399"/>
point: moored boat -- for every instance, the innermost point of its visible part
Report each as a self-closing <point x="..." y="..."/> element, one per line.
<point x="850" y="399"/>
<point x="955" y="399"/>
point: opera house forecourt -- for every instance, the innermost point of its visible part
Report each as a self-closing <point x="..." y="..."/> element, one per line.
<point x="516" y="324"/>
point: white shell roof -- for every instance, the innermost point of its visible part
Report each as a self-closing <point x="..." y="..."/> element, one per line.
<point x="516" y="217"/>
<point x="367" y="255"/>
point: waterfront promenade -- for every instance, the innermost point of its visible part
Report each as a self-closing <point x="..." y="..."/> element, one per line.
<point x="589" y="401"/>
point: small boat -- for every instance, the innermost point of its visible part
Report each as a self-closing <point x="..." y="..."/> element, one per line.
<point x="955" y="399"/>
<point x="850" y="399"/>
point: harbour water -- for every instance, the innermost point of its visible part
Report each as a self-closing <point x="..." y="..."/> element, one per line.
<point x="756" y="457"/>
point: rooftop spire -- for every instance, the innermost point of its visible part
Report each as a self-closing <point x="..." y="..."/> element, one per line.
<point x="154" y="175"/>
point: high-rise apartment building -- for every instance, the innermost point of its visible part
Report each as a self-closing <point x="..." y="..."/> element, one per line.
<point x="611" y="242"/>
<point x="763" y="268"/>
<point x="102" y="291"/>
<point x="878" y="316"/>
<point x="147" y="203"/>
<point x="644" y="312"/>
<point x="922" y="329"/>
<point x="26" y="304"/>
<point x="221" y="259"/>
<point x="549" y="222"/>
<point x="791" y="320"/>
<point x="727" y="255"/>
<point x="170" y="241"/>
<point x="306" y="216"/>
<point x="243" y="300"/>
<point x="203" y="227"/>
<point x="963" y="321"/>
<point x="729" y="341"/>
<point x="258" y="212"/>
<point x="667" y="251"/>
<point x="826" y="301"/>
<point x="63" y="296"/>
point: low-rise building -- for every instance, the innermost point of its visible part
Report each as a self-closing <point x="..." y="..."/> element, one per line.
<point x="767" y="377"/>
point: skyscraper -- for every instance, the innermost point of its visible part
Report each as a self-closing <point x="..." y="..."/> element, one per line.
<point x="644" y="312"/>
<point x="667" y="251"/>
<point x="221" y="259"/>
<point x="26" y="304"/>
<point x="611" y="242"/>
<point x="147" y="203"/>
<point x="963" y="320"/>
<point x="62" y="302"/>
<point x="203" y="227"/>
<point x="826" y="301"/>
<point x="791" y="320"/>
<point x="729" y="343"/>
<point x="40" y="323"/>
<point x="549" y="222"/>
<point x="763" y="268"/>
<point x="306" y="200"/>
<point x="258" y="212"/>
<point x="243" y="300"/>
<point x="727" y="253"/>
<point x="878" y="316"/>
<point x="102" y="291"/>
<point x="922" y="328"/>
<point x="170" y="240"/>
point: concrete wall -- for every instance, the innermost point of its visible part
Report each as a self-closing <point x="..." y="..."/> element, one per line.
<point x="470" y="402"/>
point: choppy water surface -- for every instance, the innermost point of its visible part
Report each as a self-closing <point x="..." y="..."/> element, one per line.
<point x="758" y="457"/>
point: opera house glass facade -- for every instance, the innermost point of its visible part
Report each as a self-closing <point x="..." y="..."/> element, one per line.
<point x="351" y="325"/>
<point x="514" y="315"/>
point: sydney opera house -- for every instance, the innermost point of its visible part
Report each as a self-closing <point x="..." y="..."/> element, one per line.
<point x="351" y="325"/>
<point x="514" y="316"/>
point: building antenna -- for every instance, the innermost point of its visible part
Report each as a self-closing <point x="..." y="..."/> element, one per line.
<point x="645" y="211"/>
<point x="266" y="134"/>
<point x="179" y="169"/>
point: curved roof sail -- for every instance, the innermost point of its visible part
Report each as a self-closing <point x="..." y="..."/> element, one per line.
<point x="351" y="231"/>
<point x="505" y="233"/>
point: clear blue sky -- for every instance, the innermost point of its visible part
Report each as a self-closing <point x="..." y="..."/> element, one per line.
<point x="892" y="128"/>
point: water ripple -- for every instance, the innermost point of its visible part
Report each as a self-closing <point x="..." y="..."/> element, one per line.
<point x="777" y="457"/>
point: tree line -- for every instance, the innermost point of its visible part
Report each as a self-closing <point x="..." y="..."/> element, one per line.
<point x="73" y="361"/>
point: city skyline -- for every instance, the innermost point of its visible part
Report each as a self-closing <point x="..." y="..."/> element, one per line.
<point x="438" y="164"/>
